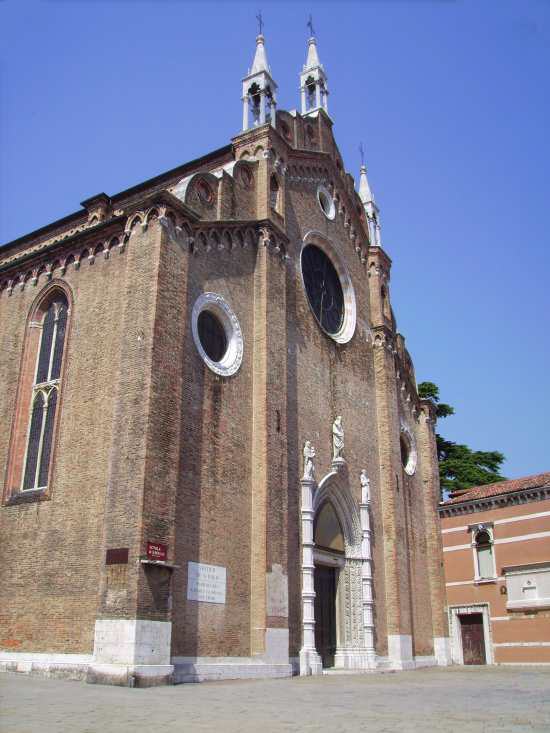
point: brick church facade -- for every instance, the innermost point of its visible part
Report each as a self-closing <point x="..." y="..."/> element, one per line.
<point x="215" y="462"/>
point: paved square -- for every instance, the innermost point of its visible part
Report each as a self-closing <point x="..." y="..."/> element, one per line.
<point x="480" y="700"/>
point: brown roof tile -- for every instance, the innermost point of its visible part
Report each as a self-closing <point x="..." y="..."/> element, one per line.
<point x="502" y="487"/>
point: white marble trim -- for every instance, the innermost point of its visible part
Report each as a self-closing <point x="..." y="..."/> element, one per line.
<point x="45" y="658"/>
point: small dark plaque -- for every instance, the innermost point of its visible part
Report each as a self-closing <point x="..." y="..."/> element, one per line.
<point x="157" y="551"/>
<point x="117" y="556"/>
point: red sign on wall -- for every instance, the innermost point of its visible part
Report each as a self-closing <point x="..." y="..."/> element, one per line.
<point x="157" y="551"/>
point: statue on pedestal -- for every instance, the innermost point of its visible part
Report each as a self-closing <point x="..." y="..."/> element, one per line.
<point x="337" y="439"/>
<point x="365" y="487"/>
<point x="309" y="468"/>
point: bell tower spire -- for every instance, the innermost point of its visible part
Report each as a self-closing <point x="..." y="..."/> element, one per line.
<point x="313" y="80"/>
<point x="369" y="204"/>
<point x="259" y="88"/>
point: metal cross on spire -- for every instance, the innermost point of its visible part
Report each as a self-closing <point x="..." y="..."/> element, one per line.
<point x="260" y="22"/>
<point x="310" y="26"/>
<point x="362" y="153"/>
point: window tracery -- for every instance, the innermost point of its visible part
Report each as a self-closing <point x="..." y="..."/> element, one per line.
<point x="38" y="396"/>
<point x="45" y="394"/>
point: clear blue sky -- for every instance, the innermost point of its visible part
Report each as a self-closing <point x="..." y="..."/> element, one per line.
<point x="450" y="99"/>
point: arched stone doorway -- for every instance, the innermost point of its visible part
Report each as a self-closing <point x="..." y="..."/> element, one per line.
<point x="329" y="559"/>
<point x="337" y="603"/>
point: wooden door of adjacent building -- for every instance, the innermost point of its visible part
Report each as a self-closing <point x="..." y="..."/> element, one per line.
<point x="473" y="640"/>
<point x="325" y="613"/>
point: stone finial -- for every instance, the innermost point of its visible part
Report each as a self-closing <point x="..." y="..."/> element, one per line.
<point x="313" y="80"/>
<point x="370" y="207"/>
<point x="365" y="193"/>
<point x="260" y="62"/>
<point x="259" y="90"/>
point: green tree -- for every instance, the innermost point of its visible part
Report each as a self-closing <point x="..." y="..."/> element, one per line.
<point x="460" y="467"/>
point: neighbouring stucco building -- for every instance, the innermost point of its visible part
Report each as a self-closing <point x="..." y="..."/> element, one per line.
<point x="496" y="545"/>
<point x="214" y="456"/>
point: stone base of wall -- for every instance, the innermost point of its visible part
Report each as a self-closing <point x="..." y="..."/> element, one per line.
<point x="85" y="667"/>
<point x="442" y="650"/>
<point x="138" y="675"/>
<point x="131" y="653"/>
<point x="184" y="669"/>
<point x="203" y="669"/>
<point x="60" y="666"/>
<point x="426" y="661"/>
<point x="273" y="663"/>
<point x="400" y="651"/>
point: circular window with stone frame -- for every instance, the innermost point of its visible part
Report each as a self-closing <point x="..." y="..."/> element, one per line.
<point x="328" y="288"/>
<point x="326" y="202"/>
<point x="205" y="192"/>
<point x="217" y="334"/>
<point x="408" y="450"/>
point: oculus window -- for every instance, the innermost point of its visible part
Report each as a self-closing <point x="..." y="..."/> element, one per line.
<point x="323" y="288"/>
<point x="328" y="287"/>
<point x="212" y="335"/>
<point x="217" y="334"/>
<point x="326" y="202"/>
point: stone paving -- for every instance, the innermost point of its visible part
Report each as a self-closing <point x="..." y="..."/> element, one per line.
<point x="466" y="700"/>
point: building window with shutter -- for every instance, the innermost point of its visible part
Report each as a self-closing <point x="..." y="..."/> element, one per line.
<point x="38" y="396"/>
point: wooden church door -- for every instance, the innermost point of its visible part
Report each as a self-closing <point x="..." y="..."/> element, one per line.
<point x="325" y="613"/>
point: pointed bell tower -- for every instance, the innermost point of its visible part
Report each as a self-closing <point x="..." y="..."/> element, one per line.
<point x="259" y="89"/>
<point x="371" y="209"/>
<point x="313" y="80"/>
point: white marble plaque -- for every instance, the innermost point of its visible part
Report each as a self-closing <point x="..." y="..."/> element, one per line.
<point x="277" y="592"/>
<point x="206" y="583"/>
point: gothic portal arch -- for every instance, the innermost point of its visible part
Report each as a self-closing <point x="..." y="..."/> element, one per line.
<point x="336" y="576"/>
<point x="334" y="488"/>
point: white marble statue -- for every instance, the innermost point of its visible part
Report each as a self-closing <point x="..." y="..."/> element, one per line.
<point x="365" y="486"/>
<point x="337" y="439"/>
<point x="309" y="455"/>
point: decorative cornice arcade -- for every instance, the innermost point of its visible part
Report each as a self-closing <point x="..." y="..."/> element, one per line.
<point x="182" y="224"/>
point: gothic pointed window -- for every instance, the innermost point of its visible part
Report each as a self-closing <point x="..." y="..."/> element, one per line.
<point x="38" y="397"/>
<point x="45" y="394"/>
<point x="274" y="192"/>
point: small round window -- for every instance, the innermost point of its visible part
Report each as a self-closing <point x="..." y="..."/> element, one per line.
<point x="217" y="334"/>
<point x="326" y="202"/>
